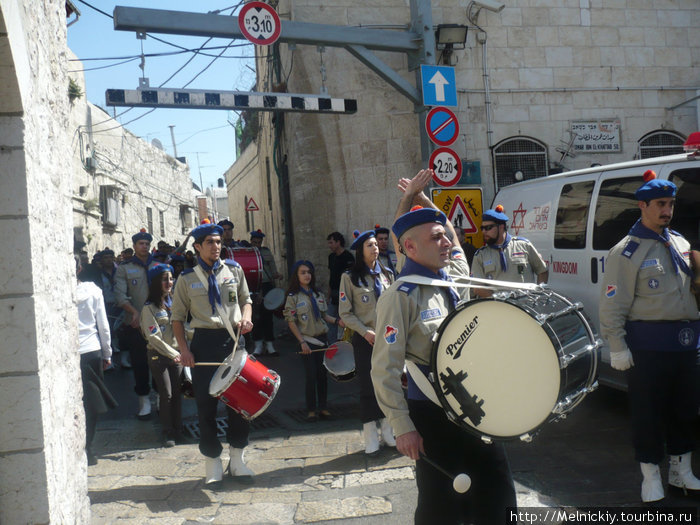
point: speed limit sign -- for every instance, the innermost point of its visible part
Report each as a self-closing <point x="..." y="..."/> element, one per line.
<point x="446" y="165"/>
<point x="259" y="23"/>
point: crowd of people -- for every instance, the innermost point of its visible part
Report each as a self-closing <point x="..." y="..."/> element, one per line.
<point x="171" y="310"/>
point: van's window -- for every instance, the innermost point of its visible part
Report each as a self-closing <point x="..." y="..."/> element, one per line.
<point x="615" y="212"/>
<point x="686" y="215"/>
<point x="572" y="215"/>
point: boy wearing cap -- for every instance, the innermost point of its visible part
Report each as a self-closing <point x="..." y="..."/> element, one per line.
<point x="264" y="323"/>
<point x="504" y="257"/>
<point x="408" y="316"/>
<point x="650" y="320"/>
<point x="130" y="294"/>
<point x="211" y="287"/>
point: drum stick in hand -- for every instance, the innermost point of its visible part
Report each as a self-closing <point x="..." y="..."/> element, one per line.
<point x="460" y="483"/>
<point x="204" y="363"/>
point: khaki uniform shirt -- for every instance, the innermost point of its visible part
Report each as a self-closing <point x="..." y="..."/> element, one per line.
<point x="389" y="260"/>
<point x="357" y="305"/>
<point x="191" y="295"/>
<point x="523" y="260"/>
<point x="131" y="285"/>
<point x="408" y="316"/>
<point x="642" y="285"/>
<point x="158" y="331"/>
<point x="298" y="310"/>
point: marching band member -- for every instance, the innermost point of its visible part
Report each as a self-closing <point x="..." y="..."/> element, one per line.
<point x="504" y="257"/>
<point x="163" y="356"/>
<point x="217" y="286"/>
<point x="408" y="315"/>
<point x="386" y="256"/>
<point x="264" y="329"/>
<point x="305" y="312"/>
<point x="650" y="319"/>
<point x="360" y="288"/>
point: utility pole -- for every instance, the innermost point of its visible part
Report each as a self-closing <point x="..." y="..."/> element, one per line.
<point x="172" y="136"/>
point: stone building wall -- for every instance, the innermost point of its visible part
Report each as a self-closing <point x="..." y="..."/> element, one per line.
<point x="43" y="471"/>
<point x="140" y="176"/>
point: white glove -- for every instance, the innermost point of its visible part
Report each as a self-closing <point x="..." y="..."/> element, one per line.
<point x="621" y="360"/>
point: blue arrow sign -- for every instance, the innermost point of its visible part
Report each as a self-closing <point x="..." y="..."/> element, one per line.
<point x="439" y="85"/>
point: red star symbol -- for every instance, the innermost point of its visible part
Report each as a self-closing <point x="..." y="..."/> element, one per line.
<point x="520" y="225"/>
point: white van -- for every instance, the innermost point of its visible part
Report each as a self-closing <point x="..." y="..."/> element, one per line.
<point x="574" y="218"/>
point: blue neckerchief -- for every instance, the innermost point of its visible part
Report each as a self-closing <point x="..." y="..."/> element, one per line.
<point x="502" y="251"/>
<point x="138" y="261"/>
<point x="168" y="302"/>
<point x="413" y="268"/>
<point x="214" y="290"/>
<point x="641" y="231"/>
<point x="389" y="264"/>
<point x="314" y="304"/>
<point x="376" y="273"/>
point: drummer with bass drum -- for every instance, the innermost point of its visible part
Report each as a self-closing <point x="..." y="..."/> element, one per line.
<point x="408" y="315"/>
<point x="263" y="328"/>
<point x="212" y="293"/>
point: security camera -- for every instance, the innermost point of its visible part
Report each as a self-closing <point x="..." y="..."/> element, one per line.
<point x="491" y="5"/>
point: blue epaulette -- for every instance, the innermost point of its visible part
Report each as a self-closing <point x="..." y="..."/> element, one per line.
<point x="186" y="271"/>
<point x="231" y="262"/>
<point x="629" y="249"/>
<point x="522" y="239"/>
<point x="674" y="232"/>
<point x="407" y="288"/>
<point x="480" y="249"/>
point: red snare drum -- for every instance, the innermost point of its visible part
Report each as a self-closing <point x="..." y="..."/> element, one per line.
<point x="244" y="384"/>
<point x="252" y="264"/>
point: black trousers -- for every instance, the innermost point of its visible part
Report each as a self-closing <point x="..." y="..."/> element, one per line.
<point x="369" y="409"/>
<point x="97" y="399"/>
<point x="132" y="339"/>
<point x="214" y="346"/>
<point x="263" y="325"/>
<point x="663" y="393"/>
<point x="316" y="382"/>
<point x="457" y="451"/>
<point x="166" y="374"/>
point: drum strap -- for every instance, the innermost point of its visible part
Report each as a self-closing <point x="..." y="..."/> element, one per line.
<point x="220" y="309"/>
<point x="421" y="381"/>
<point x="473" y="282"/>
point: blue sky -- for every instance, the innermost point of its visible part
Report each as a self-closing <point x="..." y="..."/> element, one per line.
<point x="202" y="133"/>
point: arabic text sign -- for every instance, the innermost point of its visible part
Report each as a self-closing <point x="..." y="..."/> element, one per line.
<point x="596" y="136"/>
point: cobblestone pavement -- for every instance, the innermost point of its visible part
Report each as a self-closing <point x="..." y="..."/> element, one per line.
<point x="318" y="472"/>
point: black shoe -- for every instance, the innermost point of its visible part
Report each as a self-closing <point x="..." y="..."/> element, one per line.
<point x="325" y="414"/>
<point x="169" y="443"/>
<point x="92" y="459"/>
<point x="145" y="417"/>
<point x="311" y="417"/>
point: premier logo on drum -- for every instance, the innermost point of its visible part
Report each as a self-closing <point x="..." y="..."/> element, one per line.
<point x="455" y="349"/>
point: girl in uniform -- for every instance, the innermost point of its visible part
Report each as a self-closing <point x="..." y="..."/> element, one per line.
<point x="360" y="287"/>
<point x="305" y="312"/>
<point x="163" y="355"/>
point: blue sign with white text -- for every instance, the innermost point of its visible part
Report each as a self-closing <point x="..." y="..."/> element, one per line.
<point x="439" y="85"/>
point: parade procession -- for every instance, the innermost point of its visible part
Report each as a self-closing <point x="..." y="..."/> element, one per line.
<point x="307" y="261"/>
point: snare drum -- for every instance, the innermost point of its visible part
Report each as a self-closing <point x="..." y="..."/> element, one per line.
<point x="274" y="300"/>
<point x="244" y="384"/>
<point x="502" y="367"/>
<point x="339" y="360"/>
<point x="252" y="264"/>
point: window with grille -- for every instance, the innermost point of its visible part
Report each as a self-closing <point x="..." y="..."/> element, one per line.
<point x="519" y="158"/>
<point x="162" y="223"/>
<point x="149" y="218"/>
<point x="660" y="143"/>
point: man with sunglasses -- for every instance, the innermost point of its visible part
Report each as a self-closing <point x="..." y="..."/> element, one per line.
<point x="504" y="257"/>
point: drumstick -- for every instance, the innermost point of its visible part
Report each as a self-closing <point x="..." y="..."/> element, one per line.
<point x="203" y="363"/>
<point x="460" y="483"/>
<point x="334" y="346"/>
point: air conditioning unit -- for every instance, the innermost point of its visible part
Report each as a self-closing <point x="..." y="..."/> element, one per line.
<point x="90" y="163"/>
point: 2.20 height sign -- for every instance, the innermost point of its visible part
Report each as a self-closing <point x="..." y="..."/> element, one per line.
<point x="446" y="165"/>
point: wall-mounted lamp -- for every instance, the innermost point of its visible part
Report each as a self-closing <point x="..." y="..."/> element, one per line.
<point x="449" y="37"/>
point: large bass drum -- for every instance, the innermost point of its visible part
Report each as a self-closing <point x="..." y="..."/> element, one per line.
<point x="503" y="367"/>
<point x="252" y="264"/>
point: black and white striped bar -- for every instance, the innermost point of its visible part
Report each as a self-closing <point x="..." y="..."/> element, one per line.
<point x="201" y="99"/>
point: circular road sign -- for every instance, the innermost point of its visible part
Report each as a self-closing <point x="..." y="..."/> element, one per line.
<point x="259" y="23"/>
<point x="446" y="165"/>
<point x="442" y="126"/>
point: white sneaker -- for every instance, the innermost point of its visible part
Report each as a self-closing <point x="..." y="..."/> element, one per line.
<point x="214" y="470"/>
<point x="126" y="360"/>
<point x="387" y="433"/>
<point x="652" y="488"/>
<point x="270" y="349"/>
<point x="258" y="348"/>
<point x="371" y="435"/>
<point x="144" y="408"/>
<point x="236" y="465"/>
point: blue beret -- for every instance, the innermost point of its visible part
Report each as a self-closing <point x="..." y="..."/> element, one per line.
<point x="301" y="262"/>
<point x="201" y="231"/>
<point x="156" y="270"/>
<point x="107" y="252"/>
<point x="226" y="222"/>
<point x="415" y="218"/>
<point x="495" y="216"/>
<point x="360" y="239"/>
<point x="141" y="236"/>
<point x="380" y="229"/>
<point x="257" y="234"/>
<point x="655" y="188"/>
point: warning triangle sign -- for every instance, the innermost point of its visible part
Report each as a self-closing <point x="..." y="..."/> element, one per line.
<point x="252" y="206"/>
<point x="460" y="217"/>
